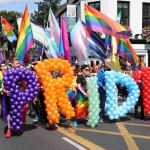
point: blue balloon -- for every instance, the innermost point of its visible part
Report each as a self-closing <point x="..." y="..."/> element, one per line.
<point x="114" y="112"/>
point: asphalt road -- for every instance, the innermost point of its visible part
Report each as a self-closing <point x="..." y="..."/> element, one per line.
<point x="129" y="133"/>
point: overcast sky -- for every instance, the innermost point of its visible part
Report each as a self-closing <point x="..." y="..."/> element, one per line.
<point x="19" y="5"/>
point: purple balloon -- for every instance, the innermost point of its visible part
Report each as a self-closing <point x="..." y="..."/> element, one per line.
<point x="20" y="96"/>
<point x="21" y="102"/>
<point x="19" y="107"/>
<point x="18" y="114"/>
<point x="13" y="117"/>
<point x="17" y="77"/>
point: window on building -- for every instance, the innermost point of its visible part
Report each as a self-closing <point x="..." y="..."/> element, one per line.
<point x="95" y="5"/>
<point x="146" y="14"/>
<point x="124" y="8"/>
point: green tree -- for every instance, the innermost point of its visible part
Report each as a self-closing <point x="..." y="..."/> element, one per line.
<point x="41" y="15"/>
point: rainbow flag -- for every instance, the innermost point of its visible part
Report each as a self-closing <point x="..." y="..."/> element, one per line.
<point x="25" y="37"/>
<point x="126" y="51"/>
<point x="98" y="22"/>
<point x="7" y="30"/>
<point x="108" y="40"/>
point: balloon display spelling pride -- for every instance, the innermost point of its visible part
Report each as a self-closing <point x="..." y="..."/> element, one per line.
<point x="24" y="87"/>
<point x="112" y="78"/>
<point x="55" y="89"/>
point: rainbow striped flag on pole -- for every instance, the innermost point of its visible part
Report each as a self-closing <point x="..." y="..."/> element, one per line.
<point x="25" y="38"/>
<point x="98" y="22"/>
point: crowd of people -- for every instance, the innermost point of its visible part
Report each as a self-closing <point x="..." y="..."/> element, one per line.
<point x="77" y="93"/>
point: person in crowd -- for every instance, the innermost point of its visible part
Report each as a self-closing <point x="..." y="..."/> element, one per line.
<point x="72" y="92"/>
<point x="137" y="78"/>
<point x="101" y="84"/>
<point x="81" y="109"/>
<point x="16" y="63"/>
<point x="5" y="104"/>
<point x="128" y="69"/>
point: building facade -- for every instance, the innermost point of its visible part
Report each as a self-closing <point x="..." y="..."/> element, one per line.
<point x="135" y="16"/>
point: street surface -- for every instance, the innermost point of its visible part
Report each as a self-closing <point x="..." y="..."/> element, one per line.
<point x="129" y="133"/>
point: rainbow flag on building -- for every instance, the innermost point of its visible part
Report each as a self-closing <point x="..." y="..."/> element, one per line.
<point x="98" y="22"/>
<point x="25" y="38"/>
<point x="7" y="30"/>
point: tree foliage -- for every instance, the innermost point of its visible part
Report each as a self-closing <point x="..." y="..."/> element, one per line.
<point x="41" y="16"/>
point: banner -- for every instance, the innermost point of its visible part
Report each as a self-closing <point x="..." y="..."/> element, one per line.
<point x="71" y="16"/>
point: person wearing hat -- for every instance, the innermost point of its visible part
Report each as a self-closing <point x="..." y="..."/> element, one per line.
<point x="81" y="108"/>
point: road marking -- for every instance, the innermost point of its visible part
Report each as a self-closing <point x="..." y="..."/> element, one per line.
<point x="112" y="133"/>
<point x="135" y="124"/>
<point x="127" y="136"/>
<point x="80" y="139"/>
<point x="99" y="131"/>
<point x="73" y="143"/>
<point x="140" y="136"/>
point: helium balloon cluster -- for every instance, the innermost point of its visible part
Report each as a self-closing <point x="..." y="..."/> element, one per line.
<point x="112" y="78"/>
<point x="146" y="90"/>
<point x="14" y="80"/>
<point x="55" y="89"/>
<point x="94" y="102"/>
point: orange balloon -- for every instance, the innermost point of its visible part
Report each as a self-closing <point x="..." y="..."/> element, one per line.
<point x="55" y="89"/>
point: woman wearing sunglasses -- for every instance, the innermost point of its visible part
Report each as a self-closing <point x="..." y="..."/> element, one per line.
<point x="81" y="109"/>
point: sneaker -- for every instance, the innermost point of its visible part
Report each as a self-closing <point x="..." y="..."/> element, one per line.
<point x="47" y="125"/>
<point x="8" y="134"/>
<point x="55" y="126"/>
<point x="75" y="123"/>
<point x="36" y="119"/>
<point x="101" y="120"/>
